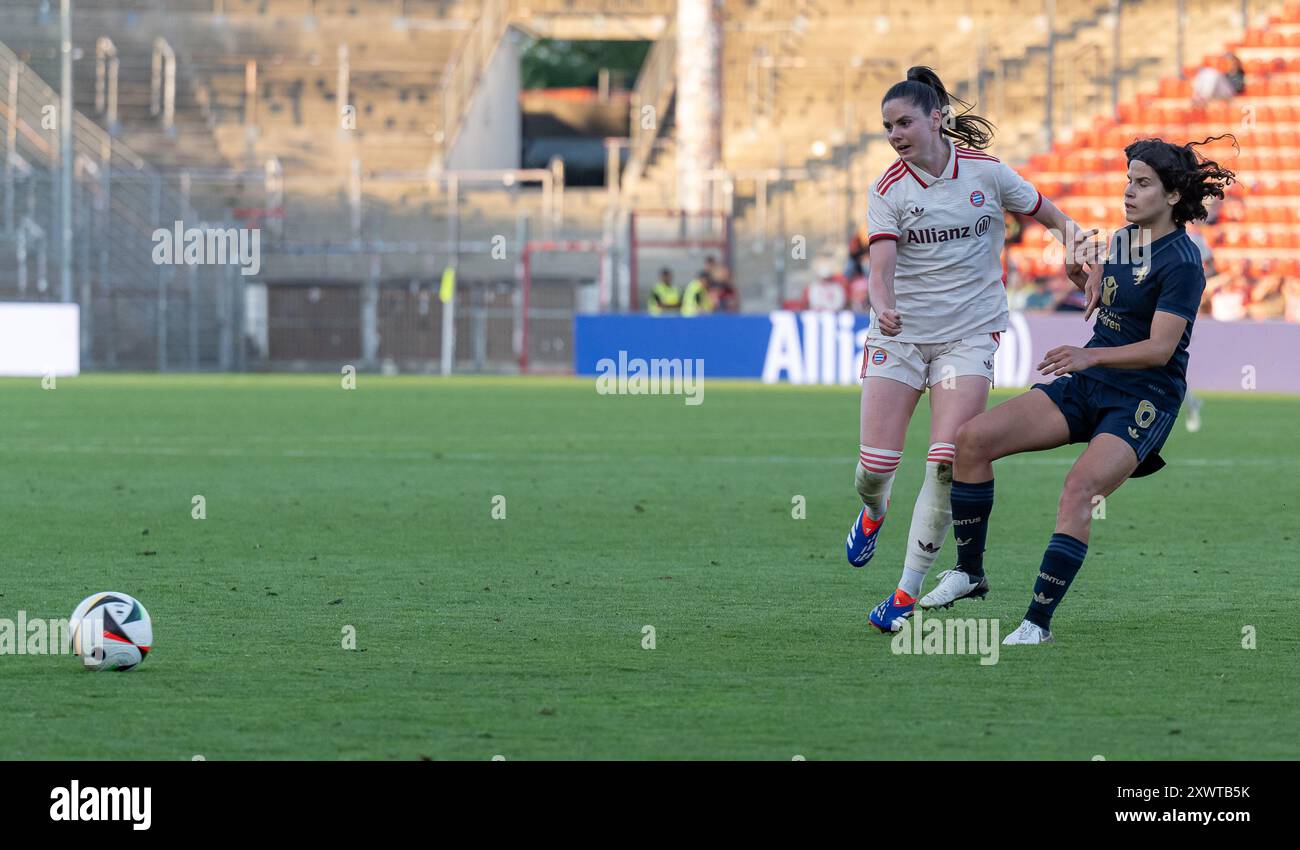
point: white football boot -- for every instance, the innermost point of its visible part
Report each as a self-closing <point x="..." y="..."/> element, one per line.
<point x="954" y="585"/>
<point x="1028" y="634"/>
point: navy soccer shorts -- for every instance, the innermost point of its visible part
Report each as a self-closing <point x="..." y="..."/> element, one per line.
<point x="1091" y="407"/>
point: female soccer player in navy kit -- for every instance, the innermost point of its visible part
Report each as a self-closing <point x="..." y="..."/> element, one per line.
<point x="1120" y="393"/>
<point x="935" y="234"/>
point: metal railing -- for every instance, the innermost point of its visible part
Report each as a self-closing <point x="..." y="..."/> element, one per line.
<point x="467" y="67"/>
<point x="135" y="311"/>
<point x="653" y="92"/>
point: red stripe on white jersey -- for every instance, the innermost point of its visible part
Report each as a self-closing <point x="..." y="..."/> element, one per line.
<point x="924" y="185"/>
<point x="972" y="152"/>
<point x="890" y="180"/>
<point x="888" y="186"/>
<point x="883" y="183"/>
<point x="891" y="171"/>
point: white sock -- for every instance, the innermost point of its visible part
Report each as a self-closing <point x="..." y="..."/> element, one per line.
<point x="875" y="478"/>
<point x="931" y="518"/>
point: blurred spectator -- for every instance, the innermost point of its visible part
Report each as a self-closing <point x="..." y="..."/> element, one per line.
<point x="855" y="271"/>
<point x="1228" y="300"/>
<point x="1018" y="293"/>
<point x="1197" y="235"/>
<point x="1040" y="296"/>
<point x="1207" y="254"/>
<point x="1014" y="235"/>
<point x="722" y="293"/>
<point x="710" y="269"/>
<point x="828" y="292"/>
<point x="1067" y="297"/>
<point x="1212" y="84"/>
<point x="1015" y="228"/>
<point x="1213" y="283"/>
<point x="859" y="299"/>
<point x="695" y="300"/>
<point x="856" y="267"/>
<point x="664" y="297"/>
<point x="1266" y="300"/>
<point x="1291" y="299"/>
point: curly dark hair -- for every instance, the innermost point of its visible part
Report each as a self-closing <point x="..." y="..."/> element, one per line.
<point x="926" y="91"/>
<point x="1182" y="169"/>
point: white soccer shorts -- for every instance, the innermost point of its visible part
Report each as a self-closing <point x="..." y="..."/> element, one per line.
<point x="922" y="365"/>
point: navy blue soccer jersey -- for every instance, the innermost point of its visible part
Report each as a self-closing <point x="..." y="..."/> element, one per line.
<point x="1166" y="276"/>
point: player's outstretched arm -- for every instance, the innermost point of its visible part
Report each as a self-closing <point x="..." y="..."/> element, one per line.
<point x="880" y="286"/>
<point x="1166" y="331"/>
<point x="1080" y="248"/>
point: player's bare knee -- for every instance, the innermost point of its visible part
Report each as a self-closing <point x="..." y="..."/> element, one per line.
<point x="973" y="444"/>
<point x="1077" y="493"/>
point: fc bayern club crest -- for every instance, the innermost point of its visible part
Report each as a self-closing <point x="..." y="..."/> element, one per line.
<point x="878" y="356"/>
<point x="977" y="198"/>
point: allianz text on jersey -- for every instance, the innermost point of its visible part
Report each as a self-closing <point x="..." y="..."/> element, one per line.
<point x="825" y="348"/>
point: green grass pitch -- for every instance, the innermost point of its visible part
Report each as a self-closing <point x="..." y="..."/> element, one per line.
<point x="522" y="636"/>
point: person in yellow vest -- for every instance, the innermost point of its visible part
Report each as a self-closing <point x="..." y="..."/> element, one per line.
<point x="696" y="300"/>
<point x="664" y="297"/>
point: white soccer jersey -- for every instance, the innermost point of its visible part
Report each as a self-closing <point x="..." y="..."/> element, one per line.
<point x="948" y="283"/>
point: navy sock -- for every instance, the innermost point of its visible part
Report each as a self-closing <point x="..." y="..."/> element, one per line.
<point x="971" y="506"/>
<point x="1061" y="564"/>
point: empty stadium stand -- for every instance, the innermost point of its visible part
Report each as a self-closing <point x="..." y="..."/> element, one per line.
<point x="1256" y="232"/>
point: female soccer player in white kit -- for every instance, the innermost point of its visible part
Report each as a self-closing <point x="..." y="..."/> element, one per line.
<point x="935" y="224"/>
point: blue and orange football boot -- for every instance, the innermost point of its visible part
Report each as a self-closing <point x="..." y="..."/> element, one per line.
<point x="889" y="615"/>
<point x="861" y="542"/>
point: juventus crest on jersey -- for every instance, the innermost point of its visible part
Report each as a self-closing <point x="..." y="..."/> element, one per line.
<point x="949" y="229"/>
